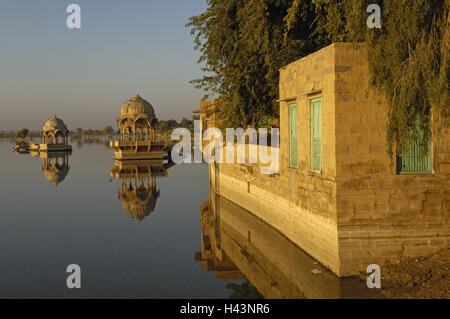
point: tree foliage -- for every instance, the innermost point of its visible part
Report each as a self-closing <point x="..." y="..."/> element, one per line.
<point x="108" y="130"/>
<point x="243" y="45"/>
<point x="169" y="125"/>
<point x="23" y="133"/>
<point x="408" y="60"/>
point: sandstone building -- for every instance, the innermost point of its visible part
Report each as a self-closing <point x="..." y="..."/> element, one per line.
<point x="337" y="195"/>
<point x="55" y="137"/>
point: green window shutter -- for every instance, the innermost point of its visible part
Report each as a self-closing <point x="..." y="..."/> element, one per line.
<point x="316" y="135"/>
<point x="412" y="160"/>
<point x="293" y="141"/>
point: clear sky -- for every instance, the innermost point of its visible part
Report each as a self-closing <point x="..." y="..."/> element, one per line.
<point x="124" y="47"/>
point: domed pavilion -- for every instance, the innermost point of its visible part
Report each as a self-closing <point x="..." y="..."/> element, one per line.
<point x="137" y="123"/>
<point x="55" y="136"/>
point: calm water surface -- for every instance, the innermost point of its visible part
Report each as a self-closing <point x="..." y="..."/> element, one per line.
<point x="186" y="242"/>
<point x="44" y="228"/>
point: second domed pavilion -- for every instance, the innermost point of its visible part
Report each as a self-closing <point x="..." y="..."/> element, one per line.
<point x="137" y="123"/>
<point x="55" y="137"/>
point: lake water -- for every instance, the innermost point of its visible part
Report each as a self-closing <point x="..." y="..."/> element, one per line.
<point x="187" y="243"/>
<point x="44" y="228"/>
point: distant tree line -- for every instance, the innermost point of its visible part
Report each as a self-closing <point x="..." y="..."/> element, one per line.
<point x="20" y="134"/>
<point x="163" y="127"/>
<point x="169" y="125"/>
<point x="107" y="131"/>
<point x="7" y="134"/>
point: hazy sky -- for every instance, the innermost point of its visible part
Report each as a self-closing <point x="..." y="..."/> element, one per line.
<point x="84" y="75"/>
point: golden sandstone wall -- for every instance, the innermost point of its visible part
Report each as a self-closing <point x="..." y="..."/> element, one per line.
<point x="272" y="263"/>
<point x="358" y="211"/>
<point x="381" y="215"/>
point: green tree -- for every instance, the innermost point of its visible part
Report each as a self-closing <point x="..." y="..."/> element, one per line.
<point x="185" y="123"/>
<point x="23" y="133"/>
<point x="408" y="59"/>
<point x="243" y="44"/>
<point x="171" y="124"/>
<point x="108" y="130"/>
<point x="162" y="126"/>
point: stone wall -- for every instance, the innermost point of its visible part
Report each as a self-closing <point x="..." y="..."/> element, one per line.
<point x="272" y="263"/>
<point x="300" y="206"/>
<point x="381" y="215"/>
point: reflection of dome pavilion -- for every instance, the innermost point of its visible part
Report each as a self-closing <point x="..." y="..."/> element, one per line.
<point x="137" y="123"/>
<point x="55" y="136"/>
<point x="139" y="201"/>
<point x="55" y="166"/>
<point x="211" y="256"/>
<point x="138" y="192"/>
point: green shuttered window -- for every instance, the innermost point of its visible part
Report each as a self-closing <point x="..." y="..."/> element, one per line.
<point x="293" y="140"/>
<point x="412" y="159"/>
<point x="316" y="135"/>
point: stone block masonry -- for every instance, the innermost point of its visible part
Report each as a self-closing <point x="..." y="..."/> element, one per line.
<point x="357" y="210"/>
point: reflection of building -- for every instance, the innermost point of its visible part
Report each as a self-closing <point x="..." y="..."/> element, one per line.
<point x="138" y="191"/>
<point x="137" y="123"/>
<point x="211" y="256"/>
<point x="236" y="244"/>
<point x="55" y="137"/>
<point x="55" y="166"/>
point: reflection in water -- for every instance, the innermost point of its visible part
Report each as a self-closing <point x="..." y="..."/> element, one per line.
<point x="55" y="165"/>
<point x="91" y="140"/>
<point x="236" y="244"/>
<point x="138" y="191"/>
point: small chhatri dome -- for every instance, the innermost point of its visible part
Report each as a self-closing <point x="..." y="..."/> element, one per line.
<point x="137" y="107"/>
<point x="55" y="124"/>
